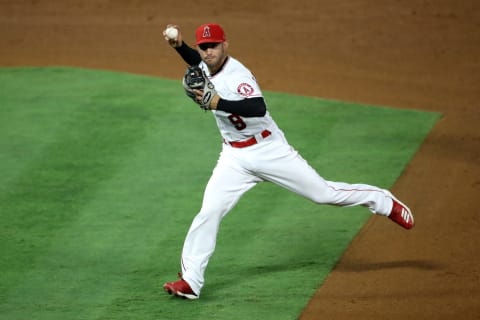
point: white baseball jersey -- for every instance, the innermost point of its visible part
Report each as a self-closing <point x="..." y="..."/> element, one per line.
<point x="235" y="82"/>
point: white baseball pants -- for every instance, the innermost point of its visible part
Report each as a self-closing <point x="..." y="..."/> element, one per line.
<point x="240" y="169"/>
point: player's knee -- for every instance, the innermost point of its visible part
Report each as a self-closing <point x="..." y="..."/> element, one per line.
<point x="320" y="198"/>
<point x="209" y="214"/>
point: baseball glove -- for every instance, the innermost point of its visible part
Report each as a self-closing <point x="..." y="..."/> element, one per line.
<point x="195" y="79"/>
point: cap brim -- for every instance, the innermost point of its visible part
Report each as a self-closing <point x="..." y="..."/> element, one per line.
<point x="209" y="41"/>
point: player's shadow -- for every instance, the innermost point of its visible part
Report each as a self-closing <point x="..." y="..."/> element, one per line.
<point x="363" y="266"/>
<point x="345" y="266"/>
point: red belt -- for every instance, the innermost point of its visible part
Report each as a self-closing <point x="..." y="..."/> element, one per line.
<point x="249" y="142"/>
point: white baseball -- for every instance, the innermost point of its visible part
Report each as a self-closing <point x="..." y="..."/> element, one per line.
<point x="171" y="33"/>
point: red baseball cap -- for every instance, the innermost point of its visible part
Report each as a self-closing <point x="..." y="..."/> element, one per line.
<point x="210" y="32"/>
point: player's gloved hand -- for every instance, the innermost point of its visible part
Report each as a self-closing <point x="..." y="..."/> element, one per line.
<point x="188" y="91"/>
<point x="208" y="94"/>
<point x="198" y="87"/>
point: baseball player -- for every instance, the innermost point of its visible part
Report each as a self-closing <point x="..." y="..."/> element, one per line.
<point x="254" y="150"/>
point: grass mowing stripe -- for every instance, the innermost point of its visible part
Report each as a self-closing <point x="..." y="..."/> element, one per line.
<point x="79" y="148"/>
<point x="89" y="139"/>
<point x="104" y="172"/>
<point x="104" y="249"/>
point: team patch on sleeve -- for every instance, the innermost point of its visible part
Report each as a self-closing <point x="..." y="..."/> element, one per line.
<point x="245" y="89"/>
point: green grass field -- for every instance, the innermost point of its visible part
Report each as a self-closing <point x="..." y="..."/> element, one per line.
<point x="102" y="173"/>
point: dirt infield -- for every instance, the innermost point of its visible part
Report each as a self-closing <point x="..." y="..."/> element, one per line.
<point x="420" y="54"/>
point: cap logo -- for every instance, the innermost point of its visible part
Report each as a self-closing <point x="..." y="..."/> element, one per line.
<point x="206" y="32"/>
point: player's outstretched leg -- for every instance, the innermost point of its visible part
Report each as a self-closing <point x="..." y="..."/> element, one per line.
<point x="285" y="167"/>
